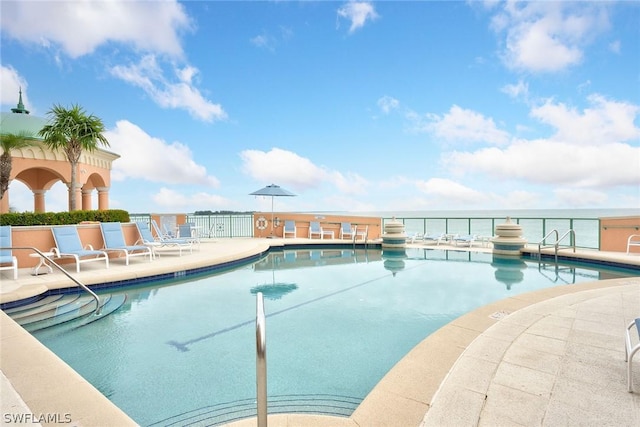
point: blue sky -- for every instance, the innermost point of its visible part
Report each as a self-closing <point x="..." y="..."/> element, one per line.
<point x="354" y="106"/>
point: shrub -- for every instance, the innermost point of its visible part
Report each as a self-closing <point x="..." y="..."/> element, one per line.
<point x="61" y="218"/>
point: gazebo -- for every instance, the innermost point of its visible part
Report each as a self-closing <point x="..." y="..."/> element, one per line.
<point x="40" y="168"/>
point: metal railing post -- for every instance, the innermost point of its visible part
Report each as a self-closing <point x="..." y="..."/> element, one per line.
<point x="261" y="361"/>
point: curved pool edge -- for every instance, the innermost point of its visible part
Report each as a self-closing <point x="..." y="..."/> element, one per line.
<point x="402" y="397"/>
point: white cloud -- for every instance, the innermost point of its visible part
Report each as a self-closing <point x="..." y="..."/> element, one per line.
<point x="547" y="162"/>
<point x="80" y="27"/>
<point x="518" y="90"/>
<point x="287" y="168"/>
<point x="452" y="191"/>
<point x="181" y="93"/>
<point x="179" y="201"/>
<point x="10" y="84"/>
<point x="168" y="163"/>
<point x="465" y="126"/>
<point x="358" y="13"/>
<point x="604" y="122"/>
<point x="264" y="41"/>
<point x="579" y="198"/>
<point x="548" y="36"/>
<point x="615" y="46"/>
<point x="387" y="104"/>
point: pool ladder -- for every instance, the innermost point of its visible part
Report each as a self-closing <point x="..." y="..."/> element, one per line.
<point x="56" y="265"/>
<point x="556" y="245"/>
<point x="261" y="361"/>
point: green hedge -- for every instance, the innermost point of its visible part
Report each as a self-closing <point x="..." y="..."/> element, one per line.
<point x="58" y="218"/>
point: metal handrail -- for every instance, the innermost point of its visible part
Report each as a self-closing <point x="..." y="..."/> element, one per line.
<point x="261" y="361"/>
<point x="540" y="247"/>
<point x="556" y="245"/>
<point x="56" y="265"/>
<point x="572" y="239"/>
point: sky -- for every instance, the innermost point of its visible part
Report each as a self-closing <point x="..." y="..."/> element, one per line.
<point x="353" y="106"/>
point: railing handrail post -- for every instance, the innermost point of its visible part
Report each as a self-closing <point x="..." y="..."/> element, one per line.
<point x="261" y="361"/>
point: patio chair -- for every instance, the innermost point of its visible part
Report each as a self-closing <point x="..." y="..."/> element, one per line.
<point x="347" y="231"/>
<point x="436" y="238"/>
<point x="114" y="242"/>
<point x="362" y="234"/>
<point x="289" y="228"/>
<point x="630" y="351"/>
<point x="316" y="230"/>
<point x="161" y="241"/>
<point x="633" y="240"/>
<point x="466" y="239"/>
<point x="187" y="232"/>
<point x="6" y="255"/>
<point x="69" y="245"/>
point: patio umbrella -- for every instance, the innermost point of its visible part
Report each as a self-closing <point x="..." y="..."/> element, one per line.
<point x="273" y="191"/>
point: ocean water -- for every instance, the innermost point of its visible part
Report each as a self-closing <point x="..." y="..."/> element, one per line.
<point x="503" y="213"/>
<point x="535" y="223"/>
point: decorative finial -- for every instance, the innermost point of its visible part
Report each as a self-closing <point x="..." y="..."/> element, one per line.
<point x="20" y="107"/>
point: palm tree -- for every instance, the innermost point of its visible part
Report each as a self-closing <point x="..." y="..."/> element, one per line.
<point x="72" y="131"/>
<point x="8" y="142"/>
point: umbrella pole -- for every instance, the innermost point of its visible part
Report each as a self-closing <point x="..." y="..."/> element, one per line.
<point x="272" y="235"/>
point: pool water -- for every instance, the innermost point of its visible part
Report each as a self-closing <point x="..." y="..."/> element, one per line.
<point x="337" y="321"/>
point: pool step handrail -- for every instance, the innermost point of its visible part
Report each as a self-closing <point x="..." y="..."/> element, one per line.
<point x="56" y="265"/>
<point x="543" y="245"/>
<point x="556" y="245"/>
<point x="261" y="361"/>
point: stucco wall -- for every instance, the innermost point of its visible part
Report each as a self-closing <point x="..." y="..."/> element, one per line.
<point x="327" y="222"/>
<point x="614" y="233"/>
<point x="41" y="237"/>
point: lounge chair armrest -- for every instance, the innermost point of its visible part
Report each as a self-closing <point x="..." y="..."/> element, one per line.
<point x="89" y="247"/>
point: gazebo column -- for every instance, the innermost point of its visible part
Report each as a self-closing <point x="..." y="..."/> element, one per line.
<point x="86" y="199"/>
<point x="38" y="200"/>
<point x="103" y="198"/>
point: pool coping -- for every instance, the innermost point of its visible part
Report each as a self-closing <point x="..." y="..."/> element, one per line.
<point x="402" y="397"/>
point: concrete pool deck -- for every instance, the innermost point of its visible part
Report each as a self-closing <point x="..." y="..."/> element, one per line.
<point x="549" y="357"/>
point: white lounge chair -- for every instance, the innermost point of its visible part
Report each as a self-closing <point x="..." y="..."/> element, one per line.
<point x="7" y="260"/>
<point x="69" y="245"/>
<point x="633" y="240"/>
<point x="436" y="238"/>
<point x="362" y="234"/>
<point x="466" y="239"/>
<point x="289" y="228"/>
<point x="316" y="230"/>
<point x="187" y="232"/>
<point x="158" y="242"/>
<point x="347" y="231"/>
<point x="113" y="238"/>
<point x="631" y="350"/>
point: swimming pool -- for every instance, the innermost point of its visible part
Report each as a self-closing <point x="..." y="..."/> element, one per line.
<point x="338" y="321"/>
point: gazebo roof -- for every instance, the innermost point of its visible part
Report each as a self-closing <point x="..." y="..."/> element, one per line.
<point x="19" y="121"/>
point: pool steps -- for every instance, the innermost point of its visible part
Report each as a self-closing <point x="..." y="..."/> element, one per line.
<point x="224" y="413"/>
<point x="63" y="312"/>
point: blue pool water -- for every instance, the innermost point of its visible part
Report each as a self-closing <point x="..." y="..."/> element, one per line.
<point x="338" y="320"/>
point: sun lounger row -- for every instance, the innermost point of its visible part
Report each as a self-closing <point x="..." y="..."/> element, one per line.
<point x="455" y="239"/>
<point x="69" y="245"/>
<point x="347" y="231"/>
